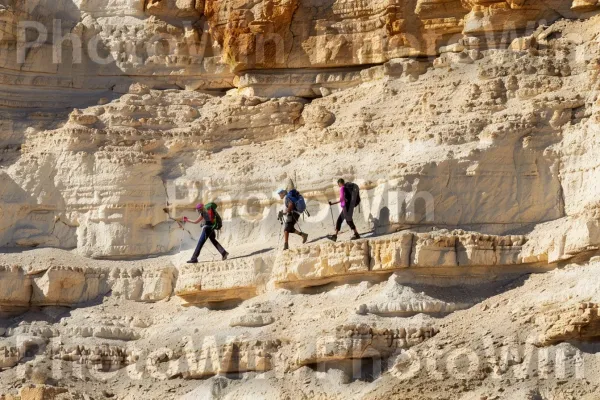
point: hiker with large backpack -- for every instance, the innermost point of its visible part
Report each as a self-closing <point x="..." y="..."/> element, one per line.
<point x="349" y="200"/>
<point x="294" y="206"/>
<point x="212" y="223"/>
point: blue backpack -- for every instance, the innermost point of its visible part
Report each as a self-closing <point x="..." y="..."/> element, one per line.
<point x="299" y="203"/>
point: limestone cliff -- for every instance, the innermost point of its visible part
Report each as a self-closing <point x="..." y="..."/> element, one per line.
<point x="471" y="127"/>
<point x="98" y="179"/>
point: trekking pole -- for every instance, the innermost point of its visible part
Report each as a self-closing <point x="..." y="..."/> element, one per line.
<point x="279" y="239"/>
<point x="280" y="219"/>
<point x="182" y="236"/>
<point x="182" y="232"/>
<point x="332" y="219"/>
<point x="183" y="228"/>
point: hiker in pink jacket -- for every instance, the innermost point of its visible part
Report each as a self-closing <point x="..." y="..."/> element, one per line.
<point x="349" y="199"/>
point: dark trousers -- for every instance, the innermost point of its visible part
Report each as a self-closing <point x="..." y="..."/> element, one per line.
<point x="290" y="222"/>
<point x="207" y="233"/>
<point x="345" y="215"/>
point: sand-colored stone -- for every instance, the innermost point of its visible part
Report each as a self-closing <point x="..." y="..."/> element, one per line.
<point x="41" y="392"/>
<point x="471" y="127"/>
<point x="391" y="252"/>
<point x="324" y="261"/>
<point x="225" y="280"/>
<point x="232" y="357"/>
<point x="580" y="323"/>
<point x="361" y="341"/>
<point x="15" y="287"/>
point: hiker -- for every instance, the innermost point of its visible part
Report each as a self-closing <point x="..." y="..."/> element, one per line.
<point x="349" y="199"/>
<point x="212" y="223"/>
<point x="293" y="203"/>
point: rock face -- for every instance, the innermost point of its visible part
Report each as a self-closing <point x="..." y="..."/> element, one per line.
<point x="470" y="126"/>
<point x="478" y="258"/>
<point x="323" y="261"/>
<point x="357" y="342"/>
<point x="399" y="300"/>
<point x="97" y="178"/>
<point x="233" y="357"/>
<point x="16" y="289"/>
<point x="219" y="281"/>
<point x="579" y="324"/>
<point x="296" y="34"/>
<point x="24" y="286"/>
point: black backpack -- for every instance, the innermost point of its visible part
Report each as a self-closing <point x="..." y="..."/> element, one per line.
<point x="352" y="194"/>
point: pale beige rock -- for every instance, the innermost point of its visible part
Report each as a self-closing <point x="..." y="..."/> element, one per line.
<point x="147" y="285"/>
<point x="174" y="8"/>
<point x="399" y="300"/>
<point x="102" y="357"/>
<point x="323" y="262"/>
<point x="580" y="323"/>
<point x="9" y="357"/>
<point x="361" y="341"/>
<point x="15" y="288"/>
<point x="13" y="350"/>
<point x="56" y="284"/>
<point x="484" y="154"/>
<point x="130" y="221"/>
<point x="226" y="280"/>
<point x="584" y="5"/>
<point x="234" y="356"/>
<point x="391" y="252"/>
<point x="41" y="329"/>
<point x="59" y="286"/>
<point x="432" y="250"/>
<point x="477" y="250"/>
<point x="41" y="392"/>
<point x="524" y="44"/>
<point x="252" y="320"/>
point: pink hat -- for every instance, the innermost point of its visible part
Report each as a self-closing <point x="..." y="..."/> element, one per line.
<point x="199" y="206"/>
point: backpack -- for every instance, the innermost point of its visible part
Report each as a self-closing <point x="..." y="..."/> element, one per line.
<point x="352" y="194"/>
<point x="218" y="222"/>
<point x="299" y="203"/>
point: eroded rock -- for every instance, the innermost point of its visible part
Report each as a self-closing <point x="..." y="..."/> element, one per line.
<point x="580" y="323"/>
<point x="361" y="341"/>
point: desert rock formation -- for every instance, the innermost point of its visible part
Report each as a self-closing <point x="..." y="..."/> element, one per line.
<point x="471" y="127"/>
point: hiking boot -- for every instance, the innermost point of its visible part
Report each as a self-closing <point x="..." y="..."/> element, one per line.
<point x="286" y="247"/>
<point x="333" y="238"/>
<point x="304" y="237"/>
<point x="355" y="237"/>
<point x="192" y="262"/>
<point x="225" y="256"/>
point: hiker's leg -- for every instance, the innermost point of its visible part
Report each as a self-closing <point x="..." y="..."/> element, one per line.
<point x="213" y="240"/>
<point x="352" y="226"/>
<point x="350" y="221"/>
<point x="201" y="242"/>
<point x="295" y="219"/>
<point x="290" y="226"/>
<point x="290" y="223"/>
<point x="348" y="215"/>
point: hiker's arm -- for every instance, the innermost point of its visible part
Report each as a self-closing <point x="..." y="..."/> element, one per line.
<point x="185" y="219"/>
<point x="290" y="208"/>
<point x="331" y="203"/>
